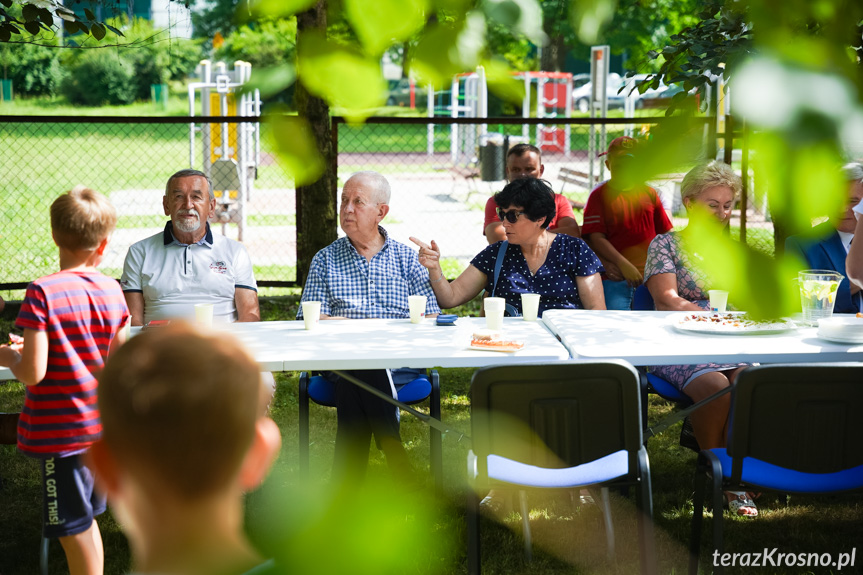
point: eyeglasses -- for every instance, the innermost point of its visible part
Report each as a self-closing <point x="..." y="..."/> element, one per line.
<point x="510" y="216"/>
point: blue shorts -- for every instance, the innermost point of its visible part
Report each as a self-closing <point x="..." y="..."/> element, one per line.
<point x="69" y="501"/>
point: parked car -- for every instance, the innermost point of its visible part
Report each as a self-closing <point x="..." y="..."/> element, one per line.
<point x="580" y="80"/>
<point x="581" y="95"/>
<point x="658" y="98"/>
<point x="632" y="84"/>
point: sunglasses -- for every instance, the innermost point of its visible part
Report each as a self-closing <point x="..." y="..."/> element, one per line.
<point x="510" y="216"/>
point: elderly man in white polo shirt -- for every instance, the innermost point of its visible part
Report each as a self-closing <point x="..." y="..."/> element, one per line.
<point x="166" y="274"/>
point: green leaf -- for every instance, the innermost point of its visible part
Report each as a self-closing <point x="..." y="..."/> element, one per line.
<point x="7" y="3"/>
<point x="33" y="27"/>
<point x="339" y="74"/>
<point x="453" y="6"/>
<point x="72" y="26"/>
<point x="520" y="16"/>
<point x="501" y="81"/>
<point x="29" y="12"/>
<point x="115" y="30"/>
<point x="756" y="282"/>
<point x="89" y="14"/>
<point x="590" y="17"/>
<point x="45" y="17"/>
<point x="5" y="34"/>
<point x="436" y="59"/>
<point x="278" y="8"/>
<point x="445" y="51"/>
<point x="98" y="31"/>
<point x="381" y="23"/>
<point x="271" y="81"/>
<point x="801" y="176"/>
<point x="295" y="145"/>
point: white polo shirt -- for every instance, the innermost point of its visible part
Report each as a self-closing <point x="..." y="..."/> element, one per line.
<point x="173" y="277"/>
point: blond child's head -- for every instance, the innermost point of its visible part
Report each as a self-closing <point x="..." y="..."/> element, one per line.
<point x="179" y="409"/>
<point x="81" y="219"/>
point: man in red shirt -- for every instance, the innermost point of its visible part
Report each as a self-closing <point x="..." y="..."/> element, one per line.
<point x="525" y="161"/>
<point x="621" y="218"/>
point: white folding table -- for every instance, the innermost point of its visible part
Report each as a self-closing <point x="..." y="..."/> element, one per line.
<point x="646" y="338"/>
<point x="383" y="344"/>
<point x="391" y="344"/>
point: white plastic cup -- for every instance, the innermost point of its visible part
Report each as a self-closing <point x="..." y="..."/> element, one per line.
<point x="204" y="314"/>
<point x="417" y="306"/>
<point x="494" y="308"/>
<point x="529" y="306"/>
<point x="311" y="314"/>
<point x="718" y="300"/>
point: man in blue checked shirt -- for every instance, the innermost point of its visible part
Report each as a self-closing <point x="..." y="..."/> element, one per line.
<point x="366" y="275"/>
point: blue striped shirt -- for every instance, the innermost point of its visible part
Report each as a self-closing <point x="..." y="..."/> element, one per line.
<point x="349" y="285"/>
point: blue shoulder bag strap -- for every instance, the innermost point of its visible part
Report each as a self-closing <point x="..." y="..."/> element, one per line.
<point x="510" y="310"/>
<point x="498" y="263"/>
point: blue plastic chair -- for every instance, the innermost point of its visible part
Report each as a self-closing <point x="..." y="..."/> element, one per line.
<point x="560" y="425"/>
<point x="793" y="428"/>
<point x="412" y="387"/>
<point x="643" y="301"/>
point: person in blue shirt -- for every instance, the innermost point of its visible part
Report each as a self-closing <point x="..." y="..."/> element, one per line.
<point x="366" y="275"/>
<point x="826" y="246"/>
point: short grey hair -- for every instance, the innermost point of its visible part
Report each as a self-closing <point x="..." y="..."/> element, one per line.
<point x="710" y="175"/>
<point x="378" y="183"/>
<point x="853" y="172"/>
<point x="188" y="173"/>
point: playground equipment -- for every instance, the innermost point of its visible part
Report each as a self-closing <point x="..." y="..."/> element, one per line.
<point x="553" y="90"/>
<point x="231" y="152"/>
<point x="468" y="98"/>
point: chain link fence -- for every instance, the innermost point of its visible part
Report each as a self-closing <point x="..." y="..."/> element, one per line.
<point x="441" y="171"/>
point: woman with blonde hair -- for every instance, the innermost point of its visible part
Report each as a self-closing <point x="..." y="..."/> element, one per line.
<point x="676" y="283"/>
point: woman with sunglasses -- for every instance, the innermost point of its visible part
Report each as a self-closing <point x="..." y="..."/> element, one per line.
<point x="561" y="268"/>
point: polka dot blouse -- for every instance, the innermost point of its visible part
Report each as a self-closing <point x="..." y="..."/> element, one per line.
<point x="567" y="258"/>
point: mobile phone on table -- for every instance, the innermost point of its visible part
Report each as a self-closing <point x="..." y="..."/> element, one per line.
<point x="446" y="319"/>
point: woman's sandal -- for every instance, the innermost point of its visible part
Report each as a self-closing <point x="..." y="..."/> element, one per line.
<point x="741" y="504"/>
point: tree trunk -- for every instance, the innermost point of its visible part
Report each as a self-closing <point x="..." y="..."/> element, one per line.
<point x="553" y="55"/>
<point x="315" y="203"/>
<point x="406" y="63"/>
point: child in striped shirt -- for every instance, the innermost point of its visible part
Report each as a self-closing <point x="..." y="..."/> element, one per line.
<point x="71" y="319"/>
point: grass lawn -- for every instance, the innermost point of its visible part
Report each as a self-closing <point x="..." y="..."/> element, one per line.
<point x="325" y="533"/>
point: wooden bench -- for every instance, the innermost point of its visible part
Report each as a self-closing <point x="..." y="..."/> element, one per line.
<point x="579" y="178"/>
<point x="467" y="174"/>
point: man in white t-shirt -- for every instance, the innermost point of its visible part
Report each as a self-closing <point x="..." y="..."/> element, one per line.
<point x="186" y="264"/>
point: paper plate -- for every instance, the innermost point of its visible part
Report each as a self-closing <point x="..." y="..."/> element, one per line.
<point x="728" y="323"/>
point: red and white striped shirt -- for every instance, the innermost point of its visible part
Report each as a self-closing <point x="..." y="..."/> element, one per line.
<point x="81" y="312"/>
